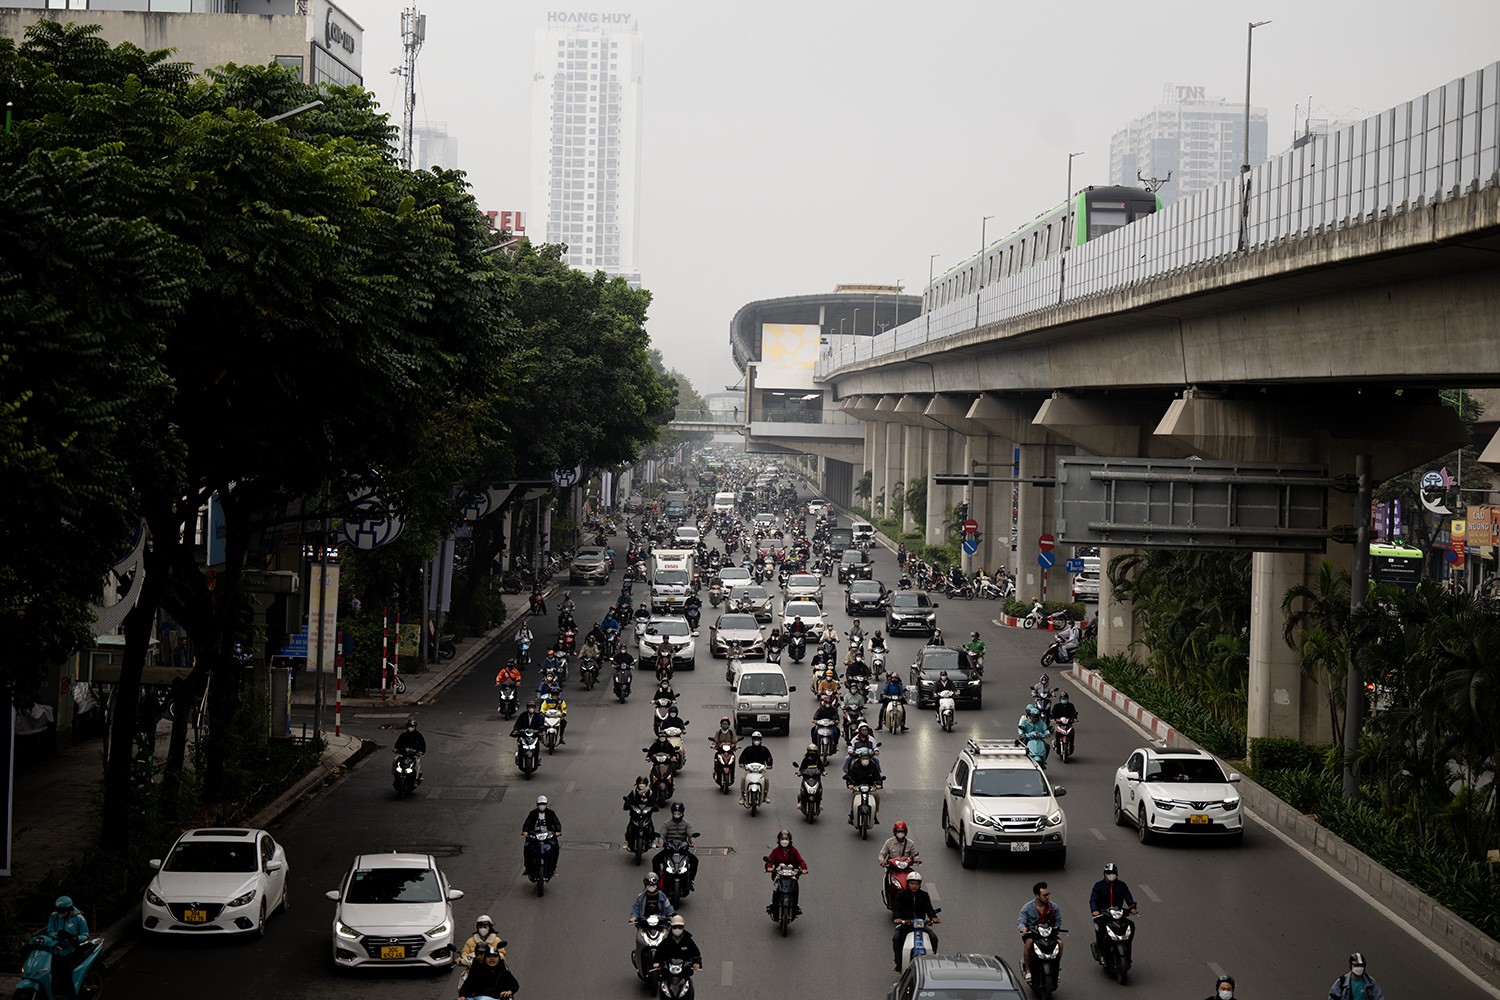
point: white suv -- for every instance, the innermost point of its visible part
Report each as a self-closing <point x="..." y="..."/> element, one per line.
<point x="1167" y="790"/>
<point x="997" y="800"/>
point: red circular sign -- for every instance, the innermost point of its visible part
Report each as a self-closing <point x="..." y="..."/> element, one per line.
<point x="1045" y="543"/>
<point x="971" y="526"/>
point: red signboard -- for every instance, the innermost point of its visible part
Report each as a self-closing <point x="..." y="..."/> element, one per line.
<point x="971" y="526"/>
<point x="1045" y="543"/>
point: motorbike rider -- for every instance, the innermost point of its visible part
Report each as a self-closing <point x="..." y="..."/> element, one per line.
<point x="663" y="663"/>
<point x="650" y="900"/>
<point x="555" y="701"/>
<point x="724" y="734"/>
<point x="899" y="845"/>
<point x="913" y="904"/>
<point x="757" y="753"/>
<point x="1064" y="710"/>
<point x="936" y="639"/>
<point x="552" y="663"/>
<point x="545" y="686"/>
<point x="1038" y="909"/>
<point x="543" y="818"/>
<point x="944" y="684"/>
<point x="484" y="933"/>
<point x="797" y="627"/>
<point x="1355" y="984"/>
<point x="811" y="759"/>
<point x="863" y="738"/>
<point x="412" y="741"/>
<point x="1109" y="891"/>
<point x="858" y="671"/>
<point x="877" y="643"/>
<point x="509" y="672"/>
<point x="1070" y="637"/>
<point x="1032" y="726"/>
<point x="775" y="642"/>
<point x="524" y="636"/>
<point x="677" y="829"/>
<point x="892" y="690"/>
<point x="642" y="613"/>
<point x="1223" y="988"/>
<point x="640" y="794"/>
<point x="678" y="945"/>
<point x="785" y="854"/>
<point x="1042" y="688"/>
<point x="975" y="648"/>
<point x="828" y="684"/>
<point x="865" y="770"/>
<point x="488" y="976"/>
<point x="529" y="719"/>
<point x="828" y="711"/>
<point x="68" y="929"/>
<point x="692" y="609"/>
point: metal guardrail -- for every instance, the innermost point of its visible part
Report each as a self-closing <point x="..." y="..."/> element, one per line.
<point x="1438" y="147"/>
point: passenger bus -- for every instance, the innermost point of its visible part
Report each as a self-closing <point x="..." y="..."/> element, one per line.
<point x="1396" y="564"/>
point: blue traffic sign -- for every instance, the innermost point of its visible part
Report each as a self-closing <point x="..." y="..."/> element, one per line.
<point x="1045" y="559"/>
<point x="970" y="546"/>
<point x="1074" y="566"/>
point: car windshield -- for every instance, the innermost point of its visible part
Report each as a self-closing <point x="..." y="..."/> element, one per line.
<point x="672" y="577"/>
<point x="687" y="533"/>
<point x="212" y="856"/>
<point x="805" y="580"/>
<point x="909" y="601"/>
<point x="765" y="684"/>
<point x="668" y="626"/>
<point x="1189" y="769"/>
<point x="1001" y="783"/>
<point x="808" y="610"/>
<point x="393" y="885"/>
<point x="730" y="576"/>
<point x="854" y="557"/>
<point x="865" y="588"/>
<point x="936" y="658"/>
<point x="971" y="993"/>
<point x="737" y="622"/>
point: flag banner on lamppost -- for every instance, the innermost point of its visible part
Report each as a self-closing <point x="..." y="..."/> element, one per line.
<point x="606" y="481"/>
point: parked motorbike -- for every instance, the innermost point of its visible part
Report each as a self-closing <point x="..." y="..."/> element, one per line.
<point x="918" y="942"/>
<point x="784" y="894"/>
<point x="528" y="751"/>
<point x="447" y="647"/>
<point x="1046" y="959"/>
<point x="540" y="856"/>
<point x="405" y="773"/>
<point x="640" y="831"/>
<point x="551" y="729"/>
<point x="674" y="877"/>
<point x="622" y="679"/>
<point x="1119" y="941"/>
<point x="36" y="968"/>
<point x="896" y="871"/>
<point x="1034" y="617"/>
<point x="947" y="708"/>
<point x="864" y="809"/>
<point x="507" y="699"/>
<point x="724" y="767"/>
<point x="1062" y="739"/>
<point x="754" y="786"/>
<point x="810" y="793"/>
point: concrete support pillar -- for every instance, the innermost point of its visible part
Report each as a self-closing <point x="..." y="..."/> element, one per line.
<point x="941" y="457"/>
<point x="893" y="461"/>
<point x="1117" y="633"/>
<point x="983" y="449"/>
<point x="877" y="437"/>
<point x="1035" y="517"/>
<point x="1275" y="689"/>
<point x="914" y="464"/>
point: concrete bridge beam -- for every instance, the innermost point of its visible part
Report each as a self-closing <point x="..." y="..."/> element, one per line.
<point x="1112" y="427"/>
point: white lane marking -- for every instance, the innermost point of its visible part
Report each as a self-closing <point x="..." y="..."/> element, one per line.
<point x="728" y="891"/>
<point x="1434" y="946"/>
<point x="572" y="785"/>
<point x="1151" y="895"/>
<point x="726" y="974"/>
<point x="1098" y="834"/>
<point x="1216" y="968"/>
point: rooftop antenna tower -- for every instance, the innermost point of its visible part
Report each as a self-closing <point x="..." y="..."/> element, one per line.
<point x="413" y="34"/>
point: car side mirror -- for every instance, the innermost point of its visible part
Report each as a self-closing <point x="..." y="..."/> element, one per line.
<point x="1059" y="791"/>
<point x="955" y="790"/>
<point x="155" y="863"/>
<point x="1133" y="775"/>
<point x="332" y="894"/>
<point x="1234" y="777"/>
<point x="792" y="689"/>
<point x="934" y="603"/>
<point x="455" y="894"/>
<point x="274" y="866"/>
<point x="695" y="634"/>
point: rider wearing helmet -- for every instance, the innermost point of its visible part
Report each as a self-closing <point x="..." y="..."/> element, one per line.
<point x="67" y="927"/>
<point x="484" y="933"/>
<point x="828" y="684"/>
<point x="543" y="818"/>
<point x="1110" y="890"/>
<point x="553" y="701"/>
<point x="725" y="734"/>
<point x="412" y="741"/>
<point x="899" y="845"/>
<point x="677" y="830"/>
<point x="1042" y="688"/>
<point x="865" y="770"/>
<point x="650" y="900"/>
<point x="913" y="904"/>
<point x="944" y="683"/>
<point x="785" y="854"/>
<point x="975" y="648"/>
<point x="757" y="753"/>
<point x="678" y="945"/>
<point x="891" y="690"/>
<point x="811" y="759"/>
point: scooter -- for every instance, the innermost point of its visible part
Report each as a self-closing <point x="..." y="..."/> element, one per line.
<point x="674" y="877"/>
<point x="541" y="858"/>
<point x="810" y="793"/>
<point x="673" y="735"/>
<point x="675" y="980"/>
<point x="523" y="653"/>
<point x="827" y="738"/>
<point x="640" y="831"/>
<point x="754" y="786"/>
<point x="1055" y="654"/>
<point x="783" y="908"/>
<point x="507" y="699"/>
<point x="724" y="767"/>
<point x="918" y="942"/>
<point x="622" y="679"/>
<point x="946" y="710"/>
<point x="1119" y="940"/>
<point x="864" y="809"/>
<point x="1062" y="739"/>
<point x="797" y="647"/>
<point x="528" y="751"/>
<point x="1036" y="748"/>
<point x="588" y="672"/>
<point x="405" y="773"/>
<point x="897" y="869"/>
<point x="895" y="713"/>
<point x="1046" y="959"/>
<point x="650" y="932"/>
<point x="551" y="729"/>
<point x="661" y="777"/>
<point x="1034" y="617"/>
<point x="36" y="968"/>
<point x="852" y="716"/>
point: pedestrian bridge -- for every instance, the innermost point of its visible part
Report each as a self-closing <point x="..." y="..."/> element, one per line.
<point x="707" y="421"/>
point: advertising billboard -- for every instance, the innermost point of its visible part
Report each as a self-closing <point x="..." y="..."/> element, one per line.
<point x="788" y="352"/>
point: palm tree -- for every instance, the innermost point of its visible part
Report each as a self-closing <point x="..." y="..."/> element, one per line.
<point x="1317" y="627"/>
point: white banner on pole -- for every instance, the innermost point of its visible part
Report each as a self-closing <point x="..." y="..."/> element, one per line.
<point x="323" y="614"/>
<point x="606" y="481"/>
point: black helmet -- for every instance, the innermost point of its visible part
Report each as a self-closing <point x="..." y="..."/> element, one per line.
<point x="1111" y="869"/>
<point x="678" y="809"/>
<point x="1224" y="979"/>
<point x="411" y="723"/>
<point x="651" y="881"/>
<point x="1357" y="958"/>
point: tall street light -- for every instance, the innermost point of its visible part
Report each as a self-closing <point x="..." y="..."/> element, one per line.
<point x="1245" y="162"/>
<point x="897" y="322"/>
<point x="1062" y="271"/>
<point x="927" y="308"/>
<point x="854" y="323"/>
<point x="979" y="282"/>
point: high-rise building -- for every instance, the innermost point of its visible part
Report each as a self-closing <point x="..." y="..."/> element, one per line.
<point x="1200" y="139"/>
<point x="586" y="139"/>
<point x="432" y="146"/>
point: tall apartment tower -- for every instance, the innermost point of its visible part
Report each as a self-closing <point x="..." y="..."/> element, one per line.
<point x="1200" y="139"/>
<point x="586" y="139"/>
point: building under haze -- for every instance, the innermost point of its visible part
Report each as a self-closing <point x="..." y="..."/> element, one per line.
<point x="432" y="146"/>
<point x="314" y="37"/>
<point x="586" y="139"/>
<point x="1200" y="139"/>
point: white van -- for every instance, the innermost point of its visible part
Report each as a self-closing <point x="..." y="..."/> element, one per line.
<point x="762" y="699"/>
<point x="723" y="503"/>
<point x="864" y="531"/>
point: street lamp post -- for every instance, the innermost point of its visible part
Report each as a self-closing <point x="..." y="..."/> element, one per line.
<point x="1062" y="270"/>
<point x="1245" y="161"/>
<point x="842" y="320"/>
<point x="897" y="321"/>
<point x="854" y="323"/>
<point x="979" y="281"/>
<point x="927" y="308"/>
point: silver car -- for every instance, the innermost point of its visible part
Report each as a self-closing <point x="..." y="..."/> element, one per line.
<point x="804" y="587"/>
<point x="740" y="628"/>
<point x="394" y="909"/>
<point x="754" y="600"/>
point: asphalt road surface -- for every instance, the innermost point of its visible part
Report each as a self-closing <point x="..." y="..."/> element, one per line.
<point x="1261" y="912"/>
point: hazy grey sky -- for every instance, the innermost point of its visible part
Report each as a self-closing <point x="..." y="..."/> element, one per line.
<point x="791" y="146"/>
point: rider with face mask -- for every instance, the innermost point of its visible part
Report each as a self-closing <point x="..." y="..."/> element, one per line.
<point x="1110" y="890"/>
<point x="678" y="945"/>
<point x="680" y="830"/>
<point x="1223" y="988"/>
<point x="757" y="753"/>
<point x="899" y="845"/>
<point x="785" y="854"/>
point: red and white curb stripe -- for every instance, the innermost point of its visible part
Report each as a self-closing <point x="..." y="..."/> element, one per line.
<point x="1092" y="680"/>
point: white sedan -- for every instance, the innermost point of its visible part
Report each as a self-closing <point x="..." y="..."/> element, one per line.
<point x="810" y="613"/>
<point x="674" y="631"/>
<point x="394" y="909"/>
<point x="804" y="587"/>
<point x="1177" y="790"/>
<point x="224" y="880"/>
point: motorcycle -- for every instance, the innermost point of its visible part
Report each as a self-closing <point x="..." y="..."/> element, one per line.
<point x="797" y="647"/>
<point x="673" y="735"/>
<point x="852" y="716"/>
<point x="895" y="713"/>
<point x="810" y="793"/>
<point x="754" y="786"/>
<point x="715" y="594"/>
<point x="551" y="729"/>
<point x="724" y="767"/>
<point x="1119" y="939"/>
<point x="1036" y="748"/>
<point x="917" y="940"/>
<point x="541" y="857"/>
<point x="903" y="582"/>
<point x="675" y="980"/>
<point x="523" y="653"/>
<point x="827" y="738"/>
<point x="36" y="968"/>
<point x="507" y="699"/>
<point x="588" y="672"/>
<point x="897" y="869"/>
<point x="1055" y="654"/>
<point x="1062" y="739"/>
<point x="784" y="894"/>
<point x="693" y="616"/>
<point x="1046" y="959"/>
<point x="447" y="647"/>
<point x="957" y="590"/>
<point x="946" y="710"/>
<point x="674" y="876"/>
<point x="650" y="932"/>
<point x="404" y="773"/>
<point x="528" y="751"/>
<point x="567" y="641"/>
<point x="661" y="777"/>
<point x="640" y="831"/>
<point x="992" y="589"/>
<point x="1035" y="616"/>
<point x="864" y="809"/>
<point x="622" y="678"/>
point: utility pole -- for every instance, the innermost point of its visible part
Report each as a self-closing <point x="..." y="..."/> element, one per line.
<point x="897" y="321"/>
<point x="1153" y="184"/>
<point x="413" y="34"/>
<point x="927" y="308"/>
<point x="979" y="282"/>
<point x="1062" y="270"/>
<point x="1245" y="161"/>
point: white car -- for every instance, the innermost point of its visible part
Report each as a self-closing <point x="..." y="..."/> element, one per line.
<point x="817" y="507"/>
<point x="804" y="587"/>
<point x="224" y="880"/>
<point x="740" y="628"/>
<point x="752" y="599"/>
<point x="396" y="910"/>
<point x="687" y="536"/>
<point x="1171" y="790"/>
<point x="674" y="631"/>
<point x="997" y="801"/>
<point x="811" y="614"/>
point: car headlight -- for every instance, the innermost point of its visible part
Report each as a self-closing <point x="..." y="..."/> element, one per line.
<point x="1055" y="819"/>
<point x="442" y="929"/>
<point x="782" y="706"/>
<point x="1231" y="805"/>
<point x="153" y="898"/>
<point x="982" y="820"/>
<point x="1163" y="803"/>
<point x="744" y="706"/>
<point x="240" y="900"/>
<point x="343" y="930"/>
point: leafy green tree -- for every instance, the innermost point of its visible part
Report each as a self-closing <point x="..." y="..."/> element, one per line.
<point x="1317" y="627"/>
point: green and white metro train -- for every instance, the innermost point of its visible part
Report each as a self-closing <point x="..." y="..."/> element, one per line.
<point x="1090" y="214"/>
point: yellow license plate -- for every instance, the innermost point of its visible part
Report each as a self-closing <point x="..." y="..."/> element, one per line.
<point x="195" y="916"/>
<point x="393" y="951"/>
<point x="1196" y="818"/>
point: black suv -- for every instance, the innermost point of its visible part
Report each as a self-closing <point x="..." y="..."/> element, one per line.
<point x="855" y="565"/>
<point x="910" y="611"/>
<point x="959" y="976"/>
<point x="934" y="660"/>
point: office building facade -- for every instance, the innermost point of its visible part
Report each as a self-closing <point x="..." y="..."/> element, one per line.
<point x="1199" y="139"/>
<point x="586" y="139"/>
